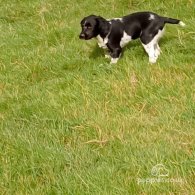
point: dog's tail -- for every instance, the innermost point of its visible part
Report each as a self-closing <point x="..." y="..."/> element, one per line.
<point x="173" y="21"/>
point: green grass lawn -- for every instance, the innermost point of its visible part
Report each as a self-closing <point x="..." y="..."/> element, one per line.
<point x="72" y="124"/>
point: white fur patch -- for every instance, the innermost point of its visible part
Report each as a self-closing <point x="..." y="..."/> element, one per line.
<point x="151" y="17"/>
<point x="114" y="60"/>
<point x="107" y="56"/>
<point x="153" y="48"/>
<point x="102" y="42"/>
<point x="182" y="23"/>
<point x="118" y="19"/>
<point x="115" y="19"/>
<point x="125" y="39"/>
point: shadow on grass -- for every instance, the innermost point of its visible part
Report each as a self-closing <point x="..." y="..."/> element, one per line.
<point x="97" y="52"/>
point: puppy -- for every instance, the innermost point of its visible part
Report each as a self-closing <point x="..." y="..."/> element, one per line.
<point x="114" y="34"/>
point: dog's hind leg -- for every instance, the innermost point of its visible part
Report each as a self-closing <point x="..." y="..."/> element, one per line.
<point x="150" y="44"/>
<point x="156" y="46"/>
<point x="150" y="49"/>
<point x="157" y="50"/>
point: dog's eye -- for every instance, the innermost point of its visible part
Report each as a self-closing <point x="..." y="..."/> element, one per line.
<point x="88" y="27"/>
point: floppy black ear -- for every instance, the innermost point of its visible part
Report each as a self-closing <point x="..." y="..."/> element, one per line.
<point x="82" y="21"/>
<point x="103" y="26"/>
<point x="101" y="21"/>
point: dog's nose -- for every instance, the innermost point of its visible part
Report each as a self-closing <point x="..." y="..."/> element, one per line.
<point x="82" y="36"/>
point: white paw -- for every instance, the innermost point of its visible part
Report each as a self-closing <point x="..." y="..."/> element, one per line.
<point x="157" y="52"/>
<point x="114" y="60"/>
<point x="99" y="45"/>
<point x="152" y="60"/>
<point x="107" y="56"/>
<point x="102" y="46"/>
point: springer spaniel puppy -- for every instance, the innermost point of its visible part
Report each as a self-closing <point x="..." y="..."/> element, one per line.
<point x="114" y="34"/>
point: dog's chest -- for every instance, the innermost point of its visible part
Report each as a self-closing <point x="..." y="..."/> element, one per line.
<point x="125" y="39"/>
<point x="102" y="42"/>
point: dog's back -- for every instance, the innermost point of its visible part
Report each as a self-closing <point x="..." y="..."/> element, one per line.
<point x="136" y="23"/>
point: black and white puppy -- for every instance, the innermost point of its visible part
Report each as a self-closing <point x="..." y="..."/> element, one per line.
<point x="114" y="34"/>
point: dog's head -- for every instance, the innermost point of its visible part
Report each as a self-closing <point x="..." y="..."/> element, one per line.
<point x="89" y="27"/>
<point x="92" y="26"/>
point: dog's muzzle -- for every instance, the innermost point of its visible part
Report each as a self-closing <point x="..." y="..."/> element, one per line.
<point x="82" y="36"/>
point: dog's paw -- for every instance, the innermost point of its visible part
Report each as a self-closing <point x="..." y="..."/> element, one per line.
<point x="152" y="60"/>
<point x="114" y="60"/>
<point x="100" y="45"/>
<point x="107" y="56"/>
<point x="157" y="52"/>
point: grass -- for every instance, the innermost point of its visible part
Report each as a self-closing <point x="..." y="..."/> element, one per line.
<point x="72" y="124"/>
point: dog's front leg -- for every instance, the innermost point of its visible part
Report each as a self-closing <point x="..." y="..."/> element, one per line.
<point x="106" y="52"/>
<point x="115" y="53"/>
